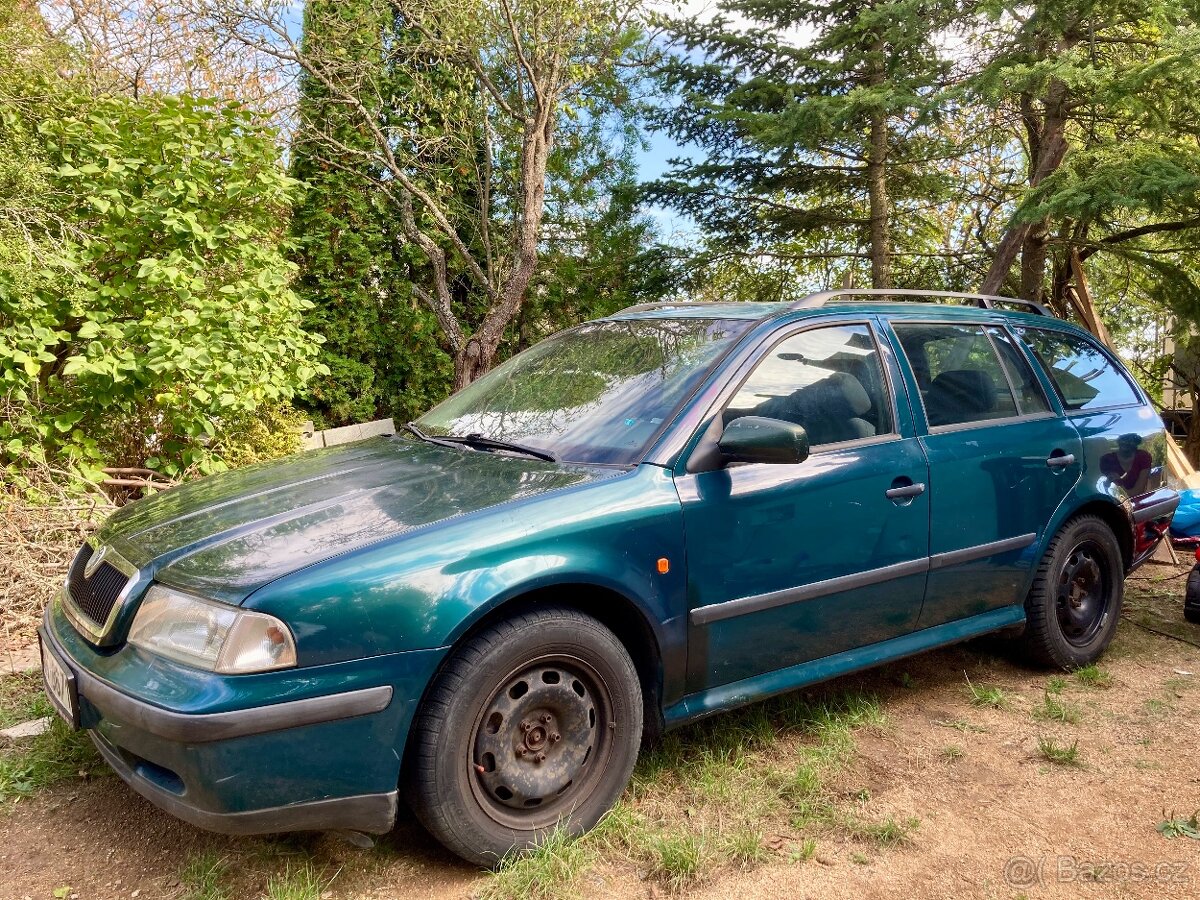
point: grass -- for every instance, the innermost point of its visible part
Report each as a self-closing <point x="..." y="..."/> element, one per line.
<point x="806" y="851"/>
<point x="952" y="753"/>
<point x="1156" y="707"/>
<point x="29" y="765"/>
<point x="677" y="858"/>
<point x="886" y="833"/>
<point x="1178" y="686"/>
<point x="21" y="699"/>
<point x="1093" y="676"/>
<point x="745" y="847"/>
<point x="1055" y="710"/>
<point x="552" y="871"/>
<point x="202" y="877"/>
<point x="1060" y="755"/>
<point x="702" y="796"/>
<point x="1056" y="684"/>
<point x="299" y="883"/>
<point x="986" y="697"/>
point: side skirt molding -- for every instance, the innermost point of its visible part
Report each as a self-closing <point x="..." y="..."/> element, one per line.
<point x="760" y="687"/>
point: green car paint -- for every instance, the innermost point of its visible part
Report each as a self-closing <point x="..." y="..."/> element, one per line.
<point x="728" y="583"/>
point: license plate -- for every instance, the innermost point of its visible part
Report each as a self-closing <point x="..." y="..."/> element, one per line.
<point x="60" y="686"/>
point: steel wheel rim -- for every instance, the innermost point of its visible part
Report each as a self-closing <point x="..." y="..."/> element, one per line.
<point x="1083" y="594"/>
<point x="541" y="742"/>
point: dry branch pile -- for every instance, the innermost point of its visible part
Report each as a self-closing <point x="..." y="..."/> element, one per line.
<point x="37" y="542"/>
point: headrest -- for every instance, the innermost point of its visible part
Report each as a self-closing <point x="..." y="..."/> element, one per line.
<point x="852" y="392"/>
<point x="970" y="390"/>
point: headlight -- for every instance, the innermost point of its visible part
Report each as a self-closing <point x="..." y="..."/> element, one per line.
<point x="211" y="635"/>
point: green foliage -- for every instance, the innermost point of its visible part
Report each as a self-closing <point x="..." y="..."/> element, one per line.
<point x="793" y="133"/>
<point x="987" y="697"/>
<point x="299" y="883"/>
<point x="57" y="754"/>
<point x="203" y="877"/>
<point x="1060" y="754"/>
<point x="550" y="871"/>
<point x="605" y="254"/>
<point x="154" y="309"/>
<point x="356" y="269"/>
<point x="1174" y="826"/>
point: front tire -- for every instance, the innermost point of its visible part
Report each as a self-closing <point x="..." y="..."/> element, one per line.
<point x="533" y="723"/>
<point x="1075" y="602"/>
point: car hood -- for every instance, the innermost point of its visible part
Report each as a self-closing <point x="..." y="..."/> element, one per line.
<point x="229" y="534"/>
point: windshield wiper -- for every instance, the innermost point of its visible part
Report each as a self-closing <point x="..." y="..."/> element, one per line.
<point x="483" y="442"/>
<point x="412" y="428"/>
<point x="479" y="442"/>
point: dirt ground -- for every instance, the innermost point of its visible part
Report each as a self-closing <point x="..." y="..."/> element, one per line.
<point x="996" y="818"/>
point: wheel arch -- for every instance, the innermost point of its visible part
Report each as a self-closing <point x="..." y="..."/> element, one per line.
<point x="1113" y="515"/>
<point x="612" y="608"/>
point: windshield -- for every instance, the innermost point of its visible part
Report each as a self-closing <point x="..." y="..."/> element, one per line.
<point x="597" y="393"/>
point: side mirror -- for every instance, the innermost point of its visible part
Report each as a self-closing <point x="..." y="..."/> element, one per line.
<point x="756" y="439"/>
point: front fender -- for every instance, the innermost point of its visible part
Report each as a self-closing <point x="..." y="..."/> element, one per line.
<point x="427" y="588"/>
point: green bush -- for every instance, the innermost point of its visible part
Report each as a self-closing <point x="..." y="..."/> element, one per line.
<point x="146" y="315"/>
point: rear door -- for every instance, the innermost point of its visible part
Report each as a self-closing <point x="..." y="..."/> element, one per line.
<point x="790" y="563"/>
<point x="1002" y="459"/>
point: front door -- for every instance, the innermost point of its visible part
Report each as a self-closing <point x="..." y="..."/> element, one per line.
<point x="1001" y="462"/>
<point x="790" y="563"/>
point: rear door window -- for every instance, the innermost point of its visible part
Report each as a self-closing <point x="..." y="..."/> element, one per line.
<point x="1030" y="396"/>
<point x="1082" y="373"/>
<point x="958" y="373"/>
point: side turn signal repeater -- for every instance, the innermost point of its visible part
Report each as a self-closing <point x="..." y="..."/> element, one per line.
<point x="664" y="565"/>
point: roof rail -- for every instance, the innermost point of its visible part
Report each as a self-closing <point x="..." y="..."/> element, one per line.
<point x="983" y="301"/>
<point x="658" y="304"/>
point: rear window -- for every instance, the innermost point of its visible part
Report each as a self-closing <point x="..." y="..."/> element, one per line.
<point x="1083" y="374"/>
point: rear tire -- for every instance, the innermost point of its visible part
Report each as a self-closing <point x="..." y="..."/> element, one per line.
<point x="534" y="723"/>
<point x="1075" y="602"/>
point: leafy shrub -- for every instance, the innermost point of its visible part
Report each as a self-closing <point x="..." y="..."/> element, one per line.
<point x="161" y="314"/>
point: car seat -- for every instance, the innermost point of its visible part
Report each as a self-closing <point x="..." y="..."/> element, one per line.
<point x="960" y="395"/>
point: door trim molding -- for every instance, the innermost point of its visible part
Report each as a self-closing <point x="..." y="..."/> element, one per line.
<point x="979" y="551"/>
<point x="715" y="612"/>
<point x="728" y="609"/>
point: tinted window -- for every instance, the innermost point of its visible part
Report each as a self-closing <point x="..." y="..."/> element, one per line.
<point x="1083" y="374"/>
<point x="597" y="393"/>
<point x="827" y="379"/>
<point x="959" y="375"/>
<point x="1030" y="397"/>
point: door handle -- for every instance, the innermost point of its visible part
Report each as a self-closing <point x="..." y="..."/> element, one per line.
<point x="908" y="490"/>
<point x="1061" y="462"/>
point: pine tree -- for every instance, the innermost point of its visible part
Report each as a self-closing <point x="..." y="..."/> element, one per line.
<point x="380" y="346"/>
<point x="813" y="120"/>
<point x="1106" y="98"/>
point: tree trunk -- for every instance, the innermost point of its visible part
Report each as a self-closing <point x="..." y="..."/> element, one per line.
<point x="877" y="186"/>
<point x="1047" y="136"/>
<point x="877" y="190"/>
<point x="1033" y="261"/>
<point x="472" y="361"/>
<point x="479" y="352"/>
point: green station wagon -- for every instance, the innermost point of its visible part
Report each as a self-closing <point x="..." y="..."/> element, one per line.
<point x="638" y="522"/>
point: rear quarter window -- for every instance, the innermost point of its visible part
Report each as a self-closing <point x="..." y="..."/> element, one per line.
<point x="1083" y="374"/>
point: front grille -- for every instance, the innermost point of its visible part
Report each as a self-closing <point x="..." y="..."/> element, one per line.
<point x="94" y="597"/>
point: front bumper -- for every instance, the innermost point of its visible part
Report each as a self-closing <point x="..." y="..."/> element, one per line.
<point x="328" y="759"/>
